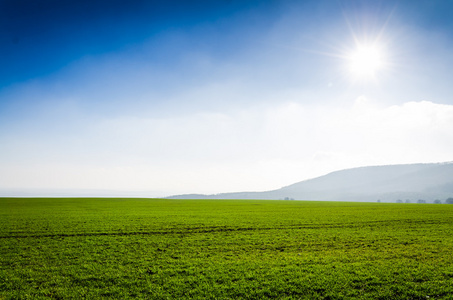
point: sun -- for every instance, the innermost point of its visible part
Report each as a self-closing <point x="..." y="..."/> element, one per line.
<point x="365" y="61"/>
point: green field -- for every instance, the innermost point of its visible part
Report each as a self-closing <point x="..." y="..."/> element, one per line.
<point x="224" y="249"/>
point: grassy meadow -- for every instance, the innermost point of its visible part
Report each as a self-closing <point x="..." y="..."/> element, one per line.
<point x="73" y="248"/>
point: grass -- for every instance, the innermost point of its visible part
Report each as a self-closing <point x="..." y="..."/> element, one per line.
<point x="223" y="249"/>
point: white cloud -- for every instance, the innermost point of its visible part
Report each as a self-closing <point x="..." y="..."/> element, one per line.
<point x="255" y="149"/>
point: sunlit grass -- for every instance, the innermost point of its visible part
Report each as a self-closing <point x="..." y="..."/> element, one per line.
<point x="159" y="249"/>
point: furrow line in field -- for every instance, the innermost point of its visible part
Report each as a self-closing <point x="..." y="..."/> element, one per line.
<point x="194" y="230"/>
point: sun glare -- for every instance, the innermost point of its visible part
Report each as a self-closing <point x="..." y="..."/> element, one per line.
<point x="365" y="61"/>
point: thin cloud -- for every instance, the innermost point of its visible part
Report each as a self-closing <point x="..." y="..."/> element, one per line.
<point x="248" y="150"/>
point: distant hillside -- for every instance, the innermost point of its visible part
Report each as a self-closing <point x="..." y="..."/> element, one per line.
<point x="386" y="183"/>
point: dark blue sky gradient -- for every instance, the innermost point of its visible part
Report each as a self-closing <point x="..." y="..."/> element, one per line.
<point x="42" y="36"/>
<point x="39" y="37"/>
<point x="46" y="39"/>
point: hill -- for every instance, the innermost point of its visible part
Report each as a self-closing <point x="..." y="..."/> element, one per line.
<point x="386" y="183"/>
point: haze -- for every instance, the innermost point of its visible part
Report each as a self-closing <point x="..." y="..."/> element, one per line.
<point x="173" y="97"/>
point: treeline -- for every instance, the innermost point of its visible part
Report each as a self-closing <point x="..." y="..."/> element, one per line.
<point x="437" y="201"/>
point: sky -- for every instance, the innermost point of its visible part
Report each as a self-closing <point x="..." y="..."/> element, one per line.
<point x="156" y="98"/>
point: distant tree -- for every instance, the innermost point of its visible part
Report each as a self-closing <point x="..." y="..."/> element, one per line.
<point x="379" y="201"/>
<point x="421" y="201"/>
<point x="408" y="201"/>
<point x="449" y="201"/>
<point x="437" y="201"/>
<point x="399" y="201"/>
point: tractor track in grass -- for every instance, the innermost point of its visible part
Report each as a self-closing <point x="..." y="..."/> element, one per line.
<point x="213" y="229"/>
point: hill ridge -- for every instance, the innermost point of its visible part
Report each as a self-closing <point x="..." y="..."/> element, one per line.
<point x="389" y="183"/>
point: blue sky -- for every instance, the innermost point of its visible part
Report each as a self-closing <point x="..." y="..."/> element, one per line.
<point x="164" y="97"/>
